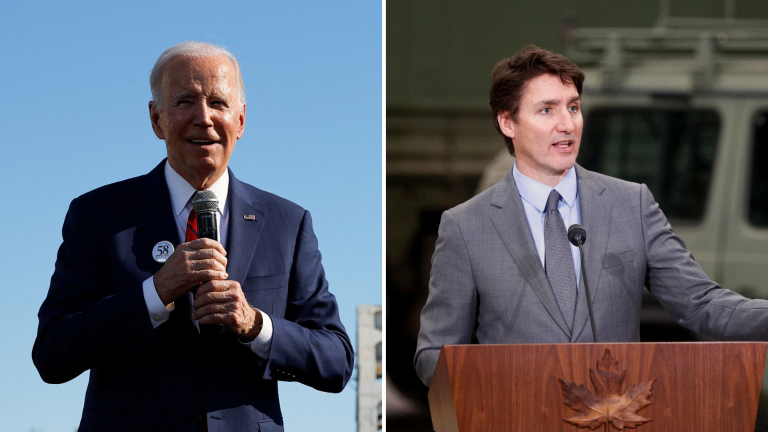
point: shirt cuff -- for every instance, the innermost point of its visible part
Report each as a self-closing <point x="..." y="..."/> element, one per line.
<point x="158" y="313"/>
<point x="263" y="342"/>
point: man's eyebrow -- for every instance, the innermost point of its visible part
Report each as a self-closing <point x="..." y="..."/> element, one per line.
<point x="217" y="96"/>
<point x="220" y="96"/>
<point x="556" y="101"/>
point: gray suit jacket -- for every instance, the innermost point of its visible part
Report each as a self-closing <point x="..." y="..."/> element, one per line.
<point x="487" y="277"/>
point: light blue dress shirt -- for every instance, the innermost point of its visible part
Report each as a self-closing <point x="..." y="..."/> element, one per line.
<point x="535" y="194"/>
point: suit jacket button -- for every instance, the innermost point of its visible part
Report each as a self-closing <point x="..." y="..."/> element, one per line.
<point x="196" y="419"/>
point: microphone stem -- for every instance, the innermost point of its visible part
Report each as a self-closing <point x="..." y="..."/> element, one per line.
<point x="586" y="291"/>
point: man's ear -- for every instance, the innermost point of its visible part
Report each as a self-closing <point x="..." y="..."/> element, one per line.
<point x="242" y="123"/>
<point x="506" y="124"/>
<point x="154" y="117"/>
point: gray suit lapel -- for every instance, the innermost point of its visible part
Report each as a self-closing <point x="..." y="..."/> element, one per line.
<point x="508" y="217"/>
<point x="596" y="220"/>
<point x="244" y="233"/>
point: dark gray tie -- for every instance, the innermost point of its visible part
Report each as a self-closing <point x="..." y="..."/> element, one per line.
<point x="558" y="261"/>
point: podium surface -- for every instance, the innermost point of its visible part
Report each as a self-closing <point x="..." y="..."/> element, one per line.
<point x="699" y="386"/>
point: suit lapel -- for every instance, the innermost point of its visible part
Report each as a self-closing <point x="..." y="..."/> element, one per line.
<point x="244" y="233"/>
<point x="596" y="220"/>
<point x="154" y="213"/>
<point x="508" y="217"/>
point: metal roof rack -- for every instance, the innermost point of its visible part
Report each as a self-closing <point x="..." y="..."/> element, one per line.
<point x="710" y="42"/>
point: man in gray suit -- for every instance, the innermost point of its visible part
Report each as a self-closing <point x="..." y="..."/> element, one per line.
<point x="503" y="267"/>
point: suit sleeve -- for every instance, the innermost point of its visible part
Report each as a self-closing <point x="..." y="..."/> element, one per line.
<point x="450" y="314"/>
<point x="693" y="299"/>
<point x="310" y="345"/>
<point x="81" y="323"/>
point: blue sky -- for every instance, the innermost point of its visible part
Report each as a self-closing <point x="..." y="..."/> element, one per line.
<point x="76" y="83"/>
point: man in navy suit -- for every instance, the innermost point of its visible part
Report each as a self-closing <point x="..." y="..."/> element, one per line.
<point x="121" y="300"/>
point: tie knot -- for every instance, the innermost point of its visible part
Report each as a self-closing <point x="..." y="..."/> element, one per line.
<point x="554" y="198"/>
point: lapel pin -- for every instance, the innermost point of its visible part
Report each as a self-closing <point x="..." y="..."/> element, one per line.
<point x="249" y="217"/>
<point x="162" y="251"/>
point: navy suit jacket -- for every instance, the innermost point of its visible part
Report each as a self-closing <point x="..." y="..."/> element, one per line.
<point x="145" y="379"/>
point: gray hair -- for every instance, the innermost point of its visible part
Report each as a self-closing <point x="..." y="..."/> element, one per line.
<point x="190" y="50"/>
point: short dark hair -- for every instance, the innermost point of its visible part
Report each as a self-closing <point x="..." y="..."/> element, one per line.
<point x="511" y="76"/>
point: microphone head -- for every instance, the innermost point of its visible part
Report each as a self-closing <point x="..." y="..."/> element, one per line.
<point x="576" y="235"/>
<point x="205" y="201"/>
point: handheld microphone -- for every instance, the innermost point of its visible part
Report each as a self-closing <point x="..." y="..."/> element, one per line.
<point x="205" y="203"/>
<point x="578" y="236"/>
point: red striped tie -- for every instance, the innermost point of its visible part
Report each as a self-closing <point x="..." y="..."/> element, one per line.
<point x="191" y="227"/>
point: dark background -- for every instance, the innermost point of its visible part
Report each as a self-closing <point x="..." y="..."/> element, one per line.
<point x="440" y="136"/>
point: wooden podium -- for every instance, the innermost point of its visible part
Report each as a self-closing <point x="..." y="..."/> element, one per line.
<point x="699" y="386"/>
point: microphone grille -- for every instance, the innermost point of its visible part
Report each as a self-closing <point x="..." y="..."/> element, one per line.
<point x="577" y="234"/>
<point x="205" y="201"/>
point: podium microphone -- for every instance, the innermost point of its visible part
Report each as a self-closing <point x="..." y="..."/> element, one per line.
<point x="578" y="236"/>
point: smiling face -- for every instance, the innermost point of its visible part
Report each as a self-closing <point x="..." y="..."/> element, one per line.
<point x="201" y="117"/>
<point x="547" y="132"/>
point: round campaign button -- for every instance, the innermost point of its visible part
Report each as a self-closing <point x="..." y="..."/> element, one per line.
<point x="162" y="251"/>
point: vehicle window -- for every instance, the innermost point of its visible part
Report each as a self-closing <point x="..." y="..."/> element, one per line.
<point x="672" y="151"/>
<point x="758" y="190"/>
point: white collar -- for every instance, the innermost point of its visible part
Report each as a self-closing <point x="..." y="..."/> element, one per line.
<point x="181" y="191"/>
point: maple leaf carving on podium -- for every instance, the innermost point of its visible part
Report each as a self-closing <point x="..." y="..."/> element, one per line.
<point x="609" y="404"/>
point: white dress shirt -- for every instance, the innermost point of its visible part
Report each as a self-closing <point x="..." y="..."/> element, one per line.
<point x="535" y="195"/>
<point x="181" y="198"/>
